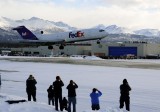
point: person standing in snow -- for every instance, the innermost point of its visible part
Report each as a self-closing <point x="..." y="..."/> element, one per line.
<point x="95" y="99"/>
<point x="31" y="88"/>
<point x="58" y="84"/>
<point x="124" y="98"/>
<point x="72" y="95"/>
<point x="51" y="95"/>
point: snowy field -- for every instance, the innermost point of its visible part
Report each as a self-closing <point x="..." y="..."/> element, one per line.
<point x="144" y="96"/>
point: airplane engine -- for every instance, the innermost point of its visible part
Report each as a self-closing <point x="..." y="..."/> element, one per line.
<point x="98" y="41"/>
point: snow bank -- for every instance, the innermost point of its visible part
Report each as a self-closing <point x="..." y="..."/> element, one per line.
<point x="22" y="107"/>
<point x="35" y="106"/>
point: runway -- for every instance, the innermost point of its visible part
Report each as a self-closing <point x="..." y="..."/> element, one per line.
<point x="133" y="63"/>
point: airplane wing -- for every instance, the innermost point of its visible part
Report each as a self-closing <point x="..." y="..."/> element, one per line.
<point x="42" y="43"/>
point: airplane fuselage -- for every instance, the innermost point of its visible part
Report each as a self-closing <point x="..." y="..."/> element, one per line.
<point x="72" y="36"/>
<point x="41" y="39"/>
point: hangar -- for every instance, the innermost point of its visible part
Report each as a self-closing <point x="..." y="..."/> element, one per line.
<point x="79" y="49"/>
<point x="123" y="49"/>
<point x="105" y="49"/>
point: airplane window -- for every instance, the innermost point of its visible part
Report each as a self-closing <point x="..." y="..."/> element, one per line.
<point x="101" y="30"/>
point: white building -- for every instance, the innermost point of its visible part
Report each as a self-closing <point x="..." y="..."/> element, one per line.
<point x="138" y="49"/>
<point x="117" y="49"/>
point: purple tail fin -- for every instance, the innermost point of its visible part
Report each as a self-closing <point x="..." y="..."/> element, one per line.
<point x="25" y="33"/>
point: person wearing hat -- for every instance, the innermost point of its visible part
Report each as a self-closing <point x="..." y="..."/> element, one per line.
<point x="58" y="84"/>
<point x="31" y="88"/>
<point x="124" y="98"/>
<point x="95" y="98"/>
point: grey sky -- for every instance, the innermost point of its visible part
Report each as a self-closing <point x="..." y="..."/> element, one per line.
<point x="87" y="13"/>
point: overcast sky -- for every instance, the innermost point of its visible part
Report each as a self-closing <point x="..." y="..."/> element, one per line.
<point x="87" y="13"/>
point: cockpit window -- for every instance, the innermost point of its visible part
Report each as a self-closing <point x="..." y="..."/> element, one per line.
<point x="101" y="30"/>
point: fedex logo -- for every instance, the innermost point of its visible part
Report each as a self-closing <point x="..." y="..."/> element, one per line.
<point x="76" y="35"/>
<point x="24" y="33"/>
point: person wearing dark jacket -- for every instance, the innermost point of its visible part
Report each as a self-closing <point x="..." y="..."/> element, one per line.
<point x="95" y="99"/>
<point x="51" y="95"/>
<point x="72" y="95"/>
<point x="124" y="98"/>
<point x="64" y="104"/>
<point x="58" y="84"/>
<point x="31" y="88"/>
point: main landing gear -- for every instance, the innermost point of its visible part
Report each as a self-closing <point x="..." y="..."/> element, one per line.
<point x="98" y="42"/>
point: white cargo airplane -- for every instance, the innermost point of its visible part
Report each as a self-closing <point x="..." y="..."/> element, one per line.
<point x="61" y="38"/>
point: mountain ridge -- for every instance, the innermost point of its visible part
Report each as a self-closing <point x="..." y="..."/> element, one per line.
<point x="115" y="33"/>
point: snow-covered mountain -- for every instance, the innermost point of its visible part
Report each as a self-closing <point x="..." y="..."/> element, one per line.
<point x="148" y="32"/>
<point x="114" y="29"/>
<point x="35" y="24"/>
<point x="116" y="33"/>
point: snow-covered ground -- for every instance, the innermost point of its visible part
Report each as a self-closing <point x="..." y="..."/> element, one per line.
<point x="85" y="57"/>
<point x="145" y="86"/>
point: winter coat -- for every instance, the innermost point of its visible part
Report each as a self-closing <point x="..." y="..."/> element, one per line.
<point x="31" y="85"/>
<point x="64" y="102"/>
<point x="72" y="90"/>
<point x="124" y="89"/>
<point x="58" y="87"/>
<point x="51" y="92"/>
<point x="95" y="97"/>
